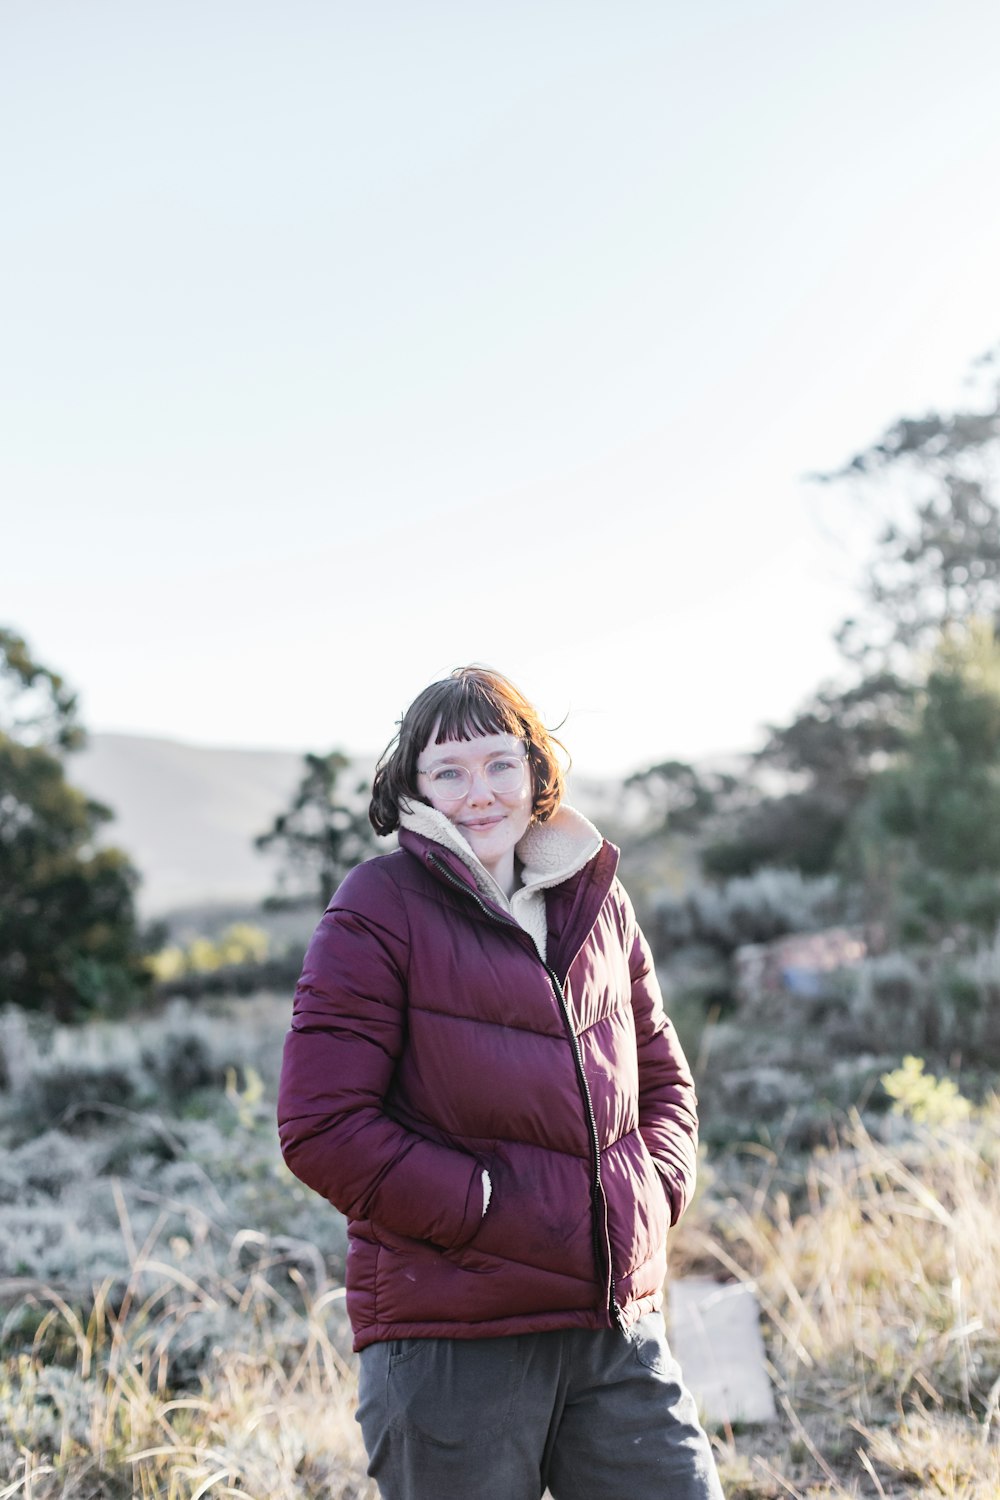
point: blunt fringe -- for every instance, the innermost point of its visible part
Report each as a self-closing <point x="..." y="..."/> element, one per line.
<point x="469" y="702"/>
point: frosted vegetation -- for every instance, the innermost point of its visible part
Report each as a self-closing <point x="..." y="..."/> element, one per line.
<point x="173" y="1321"/>
<point x="173" y="1311"/>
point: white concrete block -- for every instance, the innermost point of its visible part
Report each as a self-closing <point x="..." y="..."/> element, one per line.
<point x="714" y="1330"/>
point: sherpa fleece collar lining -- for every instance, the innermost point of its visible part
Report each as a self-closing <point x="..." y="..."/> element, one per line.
<point x="549" y="853"/>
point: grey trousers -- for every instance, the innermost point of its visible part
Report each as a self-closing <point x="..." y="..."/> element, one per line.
<point x="591" y="1415"/>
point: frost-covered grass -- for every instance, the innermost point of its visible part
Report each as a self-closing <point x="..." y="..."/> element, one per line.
<point x="172" y="1321"/>
<point x="180" y="1384"/>
<point x="173" y="1318"/>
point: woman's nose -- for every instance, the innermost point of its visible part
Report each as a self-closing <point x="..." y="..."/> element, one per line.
<point x="480" y="790"/>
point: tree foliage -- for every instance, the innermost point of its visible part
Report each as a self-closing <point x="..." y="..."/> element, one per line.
<point x="938" y="564"/>
<point x="826" y="759"/>
<point x="320" y="837"/>
<point x="936" y="568"/>
<point x="926" y="840"/>
<point x="69" y="942"/>
<point x="36" y="706"/>
<point x="678" y="797"/>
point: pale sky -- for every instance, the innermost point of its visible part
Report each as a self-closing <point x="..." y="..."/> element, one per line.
<point x="343" y="344"/>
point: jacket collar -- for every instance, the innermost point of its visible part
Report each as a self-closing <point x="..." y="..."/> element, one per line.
<point x="549" y="855"/>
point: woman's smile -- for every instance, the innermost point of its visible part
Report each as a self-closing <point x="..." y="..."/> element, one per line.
<point x="481" y="822"/>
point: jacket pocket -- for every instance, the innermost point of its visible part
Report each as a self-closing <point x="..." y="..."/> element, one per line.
<point x="391" y="1239"/>
<point x="638" y="1211"/>
<point x="540" y="1212"/>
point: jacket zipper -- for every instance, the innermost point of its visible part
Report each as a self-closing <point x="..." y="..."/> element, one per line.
<point x="602" y="1254"/>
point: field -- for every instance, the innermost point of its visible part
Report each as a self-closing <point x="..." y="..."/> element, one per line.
<point x="172" y="1314"/>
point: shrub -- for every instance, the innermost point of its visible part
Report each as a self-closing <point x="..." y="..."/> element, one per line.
<point x="888" y="995"/>
<point x="42" y="1167"/>
<point x="59" y="1093"/>
<point x="930" y="1001"/>
<point x="753" y="909"/>
<point x="924" y="1098"/>
<point x="184" y="1062"/>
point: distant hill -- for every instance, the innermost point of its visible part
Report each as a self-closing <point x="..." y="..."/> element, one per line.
<point x="187" y="814"/>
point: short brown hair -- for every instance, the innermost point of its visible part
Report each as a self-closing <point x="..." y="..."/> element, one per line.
<point x="469" y="702"/>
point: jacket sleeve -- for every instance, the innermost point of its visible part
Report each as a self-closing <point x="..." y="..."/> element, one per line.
<point x="668" y="1107"/>
<point x="348" y="1029"/>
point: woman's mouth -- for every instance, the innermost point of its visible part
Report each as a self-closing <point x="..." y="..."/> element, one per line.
<point x="481" y="823"/>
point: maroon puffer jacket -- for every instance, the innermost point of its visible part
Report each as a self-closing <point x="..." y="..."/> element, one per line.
<point x="429" y="1041"/>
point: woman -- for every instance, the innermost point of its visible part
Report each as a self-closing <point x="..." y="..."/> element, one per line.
<point x="480" y="1075"/>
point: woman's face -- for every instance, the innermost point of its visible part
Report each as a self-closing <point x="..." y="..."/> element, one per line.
<point x="476" y="784"/>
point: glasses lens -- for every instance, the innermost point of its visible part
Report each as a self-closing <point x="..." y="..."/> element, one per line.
<point x="449" y="783"/>
<point x="505" y="775"/>
<point x="452" y="783"/>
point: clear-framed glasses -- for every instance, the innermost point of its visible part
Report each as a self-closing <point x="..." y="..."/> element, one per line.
<point x="503" y="774"/>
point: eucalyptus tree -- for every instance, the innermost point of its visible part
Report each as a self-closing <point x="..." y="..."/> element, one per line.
<point x="69" y="939"/>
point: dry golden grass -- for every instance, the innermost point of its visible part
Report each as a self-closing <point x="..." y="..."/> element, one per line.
<point x="91" y="1412"/>
<point x="879" y="1279"/>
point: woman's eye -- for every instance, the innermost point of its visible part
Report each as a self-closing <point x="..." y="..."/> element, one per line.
<point x="448" y="774"/>
<point x="502" y="765"/>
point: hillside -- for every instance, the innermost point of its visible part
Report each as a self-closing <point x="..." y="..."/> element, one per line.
<point x="187" y="814"/>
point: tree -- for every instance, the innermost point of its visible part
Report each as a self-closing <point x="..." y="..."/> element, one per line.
<point x="938" y="564"/>
<point x="826" y="760"/>
<point x="320" y="838"/>
<point x="936" y="568"/>
<point x="677" y="798"/>
<point x="69" y="941"/>
<point x="36" y="706"/>
<point x="926" y="840"/>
